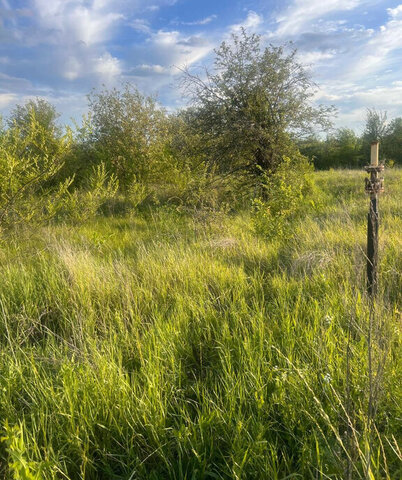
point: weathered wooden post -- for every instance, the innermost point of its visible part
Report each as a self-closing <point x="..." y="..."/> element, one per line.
<point x="374" y="186"/>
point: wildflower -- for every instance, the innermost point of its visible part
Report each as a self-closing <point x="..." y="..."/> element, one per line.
<point x="327" y="378"/>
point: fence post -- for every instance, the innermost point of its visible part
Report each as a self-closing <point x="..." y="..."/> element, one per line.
<point x="374" y="186"/>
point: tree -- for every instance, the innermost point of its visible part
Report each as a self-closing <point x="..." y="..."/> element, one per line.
<point x="315" y="149"/>
<point x="29" y="162"/>
<point x="341" y="149"/>
<point x="376" y="126"/>
<point x="128" y="133"/>
<point x="36" y="121"/>
<point x="45" y="114"/>
<point x="346" y="149"/>
<point x="392" y="141"/>
<point x="252" y="104"/>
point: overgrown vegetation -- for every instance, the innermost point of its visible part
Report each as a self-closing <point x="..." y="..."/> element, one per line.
<point x="182" y="296"/>
<point x="31" y="155"/>
<point x="345" y="149"/>
<point x="167" y="345"/>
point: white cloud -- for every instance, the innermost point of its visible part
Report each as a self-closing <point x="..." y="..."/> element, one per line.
<point x="72" y="68"/>
<point x="395" y="12"/>
<point x="71" y="50"/>
<point x="107" y="66"/>
<point x="76" y="33"/>
<point x="13" y="83"/>
<point x="75" y="45"/>
<point x="140" y="25"/>
<point x="171" y="48"/>
<point x="301" y="12"/>
<point x="314" y="57"/>
<point x="380" y="52"/>
<point x="353" y="99"/>
<point x="104" y="67"/>
<point x="71" y="21"/>
<point x="203" y="21"/>
<point x="352" y="118"/>
<point x="251" y="23"/>
<point x="6" y="99"/>
<point x="356" y="66"/>
<point x="385" y="97"/>
<point x="154" y="68"/>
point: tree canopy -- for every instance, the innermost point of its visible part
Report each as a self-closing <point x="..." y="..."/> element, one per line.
<point x="45" y="114"/>
<point x="127" y="132"/>
<point x="253" y="102"/>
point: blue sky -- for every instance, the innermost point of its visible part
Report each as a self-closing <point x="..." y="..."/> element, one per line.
<point x="60" y="49"/>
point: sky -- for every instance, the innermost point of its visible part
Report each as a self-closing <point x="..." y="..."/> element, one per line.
<point x="61" y="49"/>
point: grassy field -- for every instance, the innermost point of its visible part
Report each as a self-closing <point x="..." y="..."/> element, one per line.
<point x="164" y="345"/>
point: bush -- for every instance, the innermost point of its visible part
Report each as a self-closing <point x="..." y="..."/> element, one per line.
<point x="30" y="157"/>
<point x="85" y="203"/>
<point x="283" y="195"/>
<point x="128" y="132"/>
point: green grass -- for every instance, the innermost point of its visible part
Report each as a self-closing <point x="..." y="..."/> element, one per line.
<point x="187" y="347"/>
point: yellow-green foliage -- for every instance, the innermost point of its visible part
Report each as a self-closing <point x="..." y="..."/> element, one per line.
<point x="29" y="159"/>
<point x="169" y="346"/>
<point x="82" y="204"/>
<point x="286" y="192"/>
<point x="19" y="466"/>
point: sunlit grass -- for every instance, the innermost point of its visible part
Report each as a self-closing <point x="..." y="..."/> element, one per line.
<point x="163" y="346"/>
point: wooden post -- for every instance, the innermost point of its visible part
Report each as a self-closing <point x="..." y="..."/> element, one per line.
<point x="374" y="154"/>
<point x="374" y="186"/>
<point x="372" y="247"/>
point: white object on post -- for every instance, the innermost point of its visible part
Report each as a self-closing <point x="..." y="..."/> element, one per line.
<point x="374" y="154"/>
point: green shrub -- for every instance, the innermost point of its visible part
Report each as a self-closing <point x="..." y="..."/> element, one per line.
<point x="136" y="193"/>
<point x="128" y="132"/>
<point x="84" y="203"/>
<point x="30" y="157"/>
<point x="283" y="195"/>
<point x="19" y="465"/>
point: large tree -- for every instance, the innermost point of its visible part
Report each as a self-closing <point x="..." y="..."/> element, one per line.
<point x="32" y="153"/>
<point x="253" y="102"/>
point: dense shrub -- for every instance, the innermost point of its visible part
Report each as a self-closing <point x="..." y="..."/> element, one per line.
<point x="30" y="157"/>
<point x="128" y="132"/>
<point x="84" y="203"/>
<point x="284" y="194"/>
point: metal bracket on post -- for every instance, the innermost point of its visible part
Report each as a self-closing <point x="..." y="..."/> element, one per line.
<point x="374" y="186"/>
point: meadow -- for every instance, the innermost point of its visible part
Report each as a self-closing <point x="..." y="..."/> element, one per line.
<point x="167" y="345"/>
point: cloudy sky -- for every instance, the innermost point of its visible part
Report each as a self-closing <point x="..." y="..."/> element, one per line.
<point x="60" y="49"/>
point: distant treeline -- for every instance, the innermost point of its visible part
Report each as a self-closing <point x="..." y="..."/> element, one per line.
<point x="345" y="149"/>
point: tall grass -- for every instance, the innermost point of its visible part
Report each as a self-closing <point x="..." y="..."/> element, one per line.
<point x="162" y="346"/>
